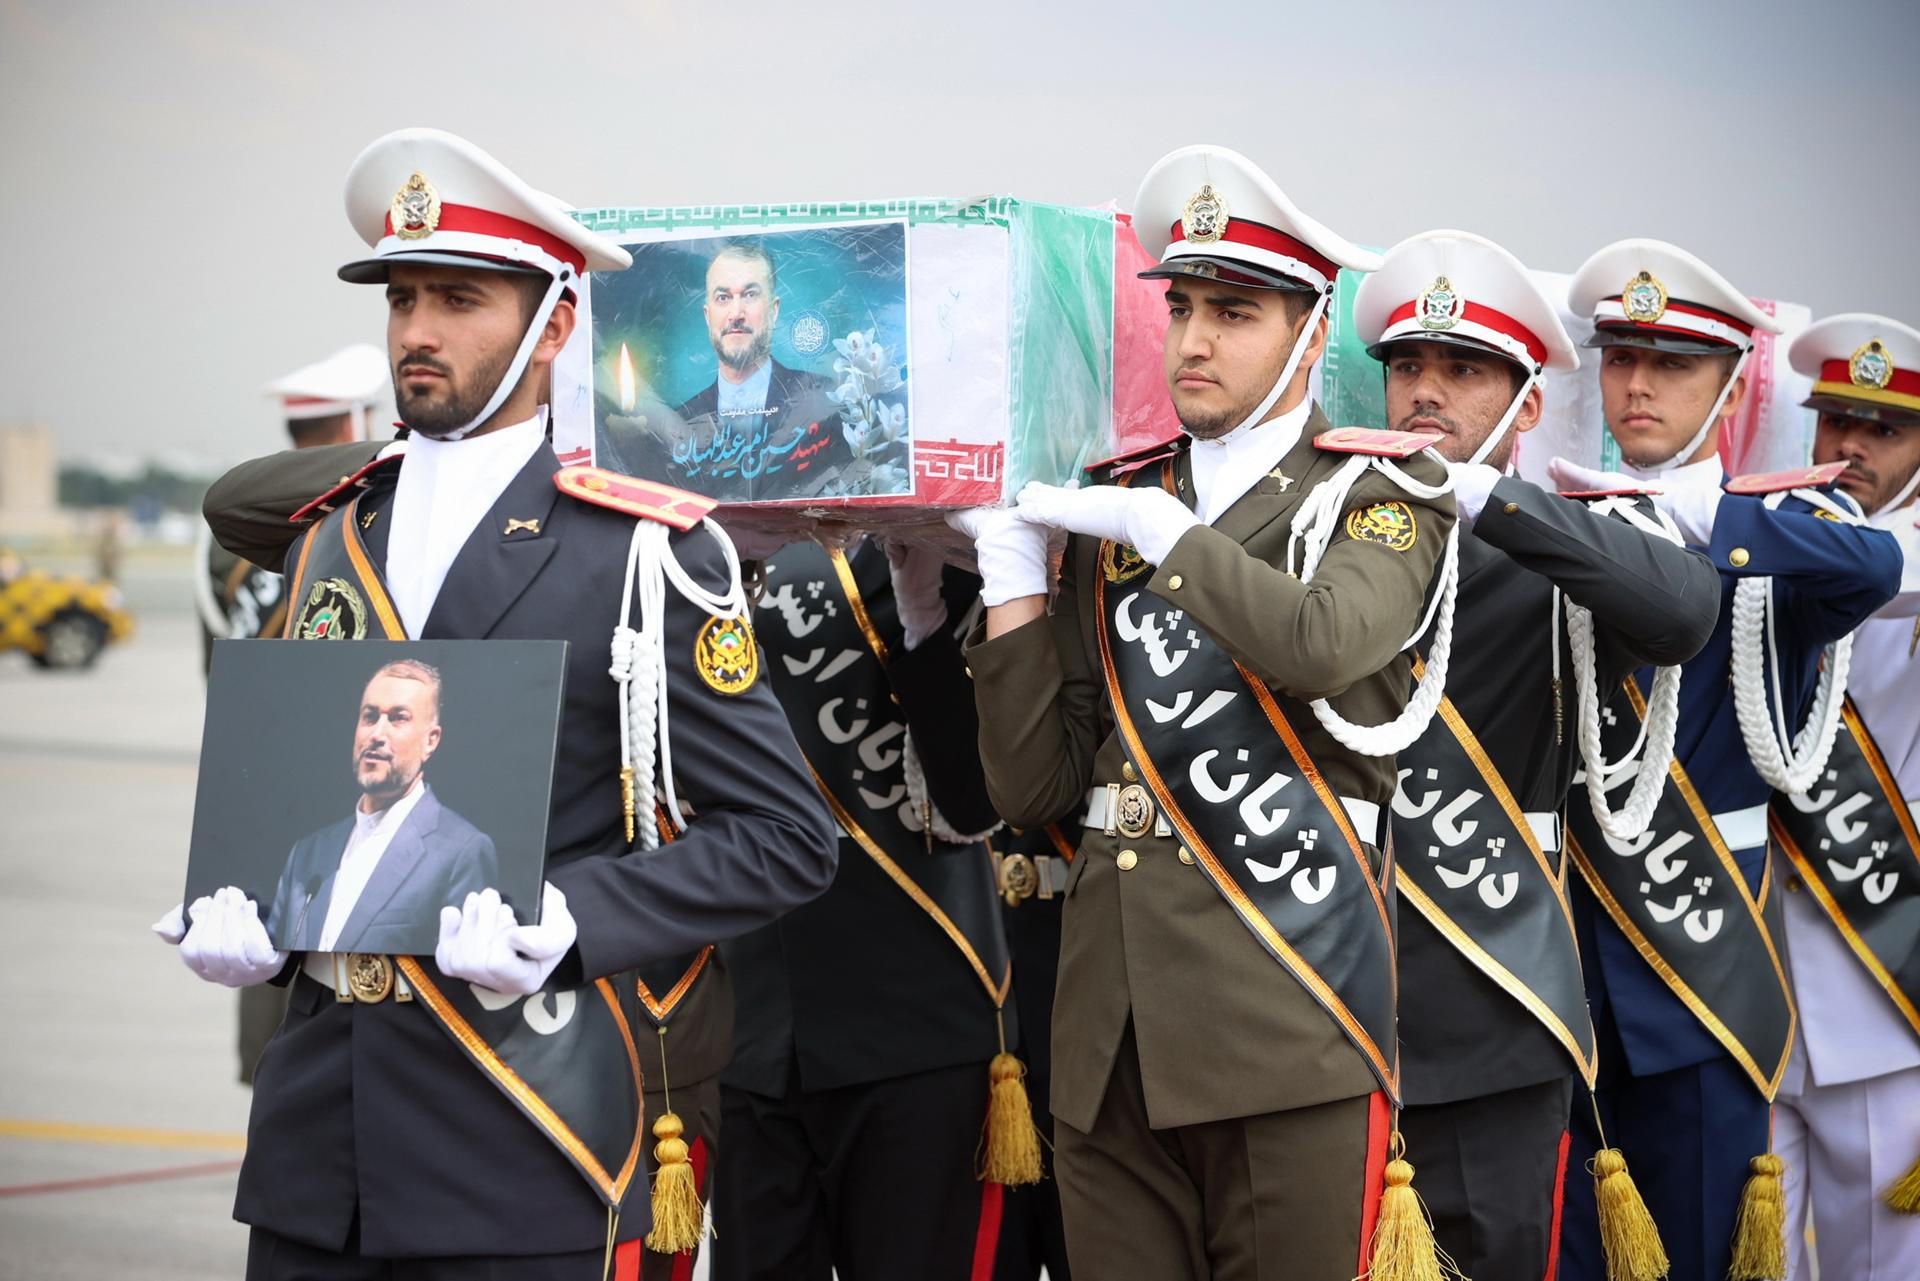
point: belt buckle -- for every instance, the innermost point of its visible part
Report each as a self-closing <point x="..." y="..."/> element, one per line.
<point x="1018" y="878"/>
<point x="369" y="977"/>
<point x="1133" y="814"/>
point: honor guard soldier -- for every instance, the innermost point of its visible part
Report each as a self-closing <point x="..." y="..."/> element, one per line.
<point x="869" y="1025"/>
<point x="1848" y="1119"/>
<point x="326" y="403"/>
<point x="1679" y="927"/>
<point x="1494" y="1033"/>
<point x="525" y="1163"/>
<point x="1225" y="667"/>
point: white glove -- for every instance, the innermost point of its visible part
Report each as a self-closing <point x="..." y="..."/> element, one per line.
<point x="917" y="574"/>
<point x="227" y="944"/>
<point x="1149" y="520"/>
<point x="1012" y="553"/>
<point x="756" y="544"/>
<point x="173" y="926"/>
<point x="1472" y="482"/>
<point x="482" y="943"/>
<point x="1691" y="507"/>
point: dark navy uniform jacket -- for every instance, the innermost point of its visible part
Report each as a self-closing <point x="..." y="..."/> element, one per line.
<point x="1461" y="1035"/>
<point x="1827" y="578"/>
<point x="371" y="1113"/>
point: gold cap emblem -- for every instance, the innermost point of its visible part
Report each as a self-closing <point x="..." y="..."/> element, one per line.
<point x="1205" y="218"/>
<point x="415" y="212"/>
<point x="1644" y="300"/>
<point x="1442" y="306"/>
<point x="1870" y="366"/>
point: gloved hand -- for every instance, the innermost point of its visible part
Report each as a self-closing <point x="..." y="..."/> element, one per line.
<point x="226" y="943"/>
<point x="1692" y="507"/>
<point x="1150" y="520"/>
<point x="916" y="572"/>
<point x="756" y="544"/>
<point x="1472" y="482"/>
<point x="482" y="943"/>
<point x="1012" y="553"/>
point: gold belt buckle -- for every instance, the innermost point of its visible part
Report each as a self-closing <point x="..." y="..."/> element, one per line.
<point x="1133" y="813"/>
<point x="369" y="977"/>
<point x="1019" y="878"/>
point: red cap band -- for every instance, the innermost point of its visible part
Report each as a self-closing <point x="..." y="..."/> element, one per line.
<point x="1487" y="318"/>
<point x="1905" y="382"/>
<point x="1244" y="231"/>
<point x="484" y="222"/>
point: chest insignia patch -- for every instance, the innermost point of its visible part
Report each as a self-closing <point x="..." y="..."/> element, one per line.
<point x="1390" y="524"/>
<point x="333" y="610"/>
<point x="726" y="657"/>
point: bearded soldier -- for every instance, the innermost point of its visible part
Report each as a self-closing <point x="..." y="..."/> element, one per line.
<point x="414" y="1107"/>
<point x="1224" y="668"/>
<point x="1678" y="926"/>
<point x="1494" y="1030"/>
<point x="1848" y="1120"/>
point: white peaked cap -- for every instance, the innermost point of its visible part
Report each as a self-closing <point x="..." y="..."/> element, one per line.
<point x="424" y="195"/>
<point x="352" y="378"/>
<point x="1456" y="287"/>
<point x="1871" y="363"/>
<point x="1211" y="213"/>
<point x="1649" y="293"/>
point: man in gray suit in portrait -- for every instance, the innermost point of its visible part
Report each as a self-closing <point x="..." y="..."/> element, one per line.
<point x="376" y="880"/>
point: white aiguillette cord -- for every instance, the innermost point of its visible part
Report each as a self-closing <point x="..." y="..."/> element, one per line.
<point x="528" y="341"/>
<point x="639" y="663"/>
<point x="1312" y="531"/>
<point x="1788" y="763"/>
<point x="1652" y="750"/>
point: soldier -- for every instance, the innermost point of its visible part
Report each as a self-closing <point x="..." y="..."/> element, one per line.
<point x="323" y="404"/>
<point x="412" y="1108"/>
<point x="1229" y="607"/>
<point x="869" y="1020"/>
<point x="1494" y="1030"/>
<point x="1678" y="928"/>
<point x="1848" y="1120"/>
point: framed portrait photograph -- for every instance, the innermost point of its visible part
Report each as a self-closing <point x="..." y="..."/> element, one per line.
<point x="352" y="791"/>
<point x="766" y="366"/>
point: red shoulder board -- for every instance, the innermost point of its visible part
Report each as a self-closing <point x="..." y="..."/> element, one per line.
<point x="1629" y="492"/>
<point x="1373" y="440"/>
<point x="643" y="498"/>
<point x="1133" y="459"/>
<point x="327" y="501"/>
<point x="1798" y="478"/>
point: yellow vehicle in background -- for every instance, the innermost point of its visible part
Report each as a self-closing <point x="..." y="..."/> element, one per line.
<point x="61" y="621"/>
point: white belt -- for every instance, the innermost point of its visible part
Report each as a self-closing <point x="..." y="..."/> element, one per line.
<point x="329" y="970"/>
<point x="1103" y="801"/>
<point x="1546" y="829"/>
<point x="1743" y="829"/>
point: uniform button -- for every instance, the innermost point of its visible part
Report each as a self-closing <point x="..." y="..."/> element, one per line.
<point x="968" y="671"/>
<point x="1127" y="772"/>
<point x="1511" y="509"/>
<point x="1173" y="584"/>
<point x="1793" y="885"/>
<point x="1186" y="856"/>
<point x="895" y="698"/>
<point x="1126" y="860"/>
<point x="1738" y="557"/>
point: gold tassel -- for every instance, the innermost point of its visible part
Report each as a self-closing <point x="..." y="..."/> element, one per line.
<point x="1628" y="1234"/>
<point x="1013" y="1140"/>
<point x="677" y="1213"/>
<point x="1903" y="1196"/>
<point x="1403" y="1248"/>
<point x="627" y="800"/>
<point x="1760" y="1233"/>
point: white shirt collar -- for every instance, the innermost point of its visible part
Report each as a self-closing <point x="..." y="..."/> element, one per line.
<point x="445" y="487"/>
<point x="1224" y="469"/>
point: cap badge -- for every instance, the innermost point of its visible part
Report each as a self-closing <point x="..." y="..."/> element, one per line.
<point x="415" y="212"/>
<point x="1442" y="306"/>
<point x="1205" y="218"/>
<point x="1644" y="300"/>
<point x="1870" y="366"/>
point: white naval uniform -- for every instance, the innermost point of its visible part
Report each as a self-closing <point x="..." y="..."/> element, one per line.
<point x="1847" y="1120"/>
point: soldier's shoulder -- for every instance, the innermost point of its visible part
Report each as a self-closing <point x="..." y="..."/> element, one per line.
<point x="349" y="483"/>
<point x="1109" y="470"/>
<point x="597" y="487"/>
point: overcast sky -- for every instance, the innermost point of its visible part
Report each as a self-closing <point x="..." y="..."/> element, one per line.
<point x="171" y="210"/>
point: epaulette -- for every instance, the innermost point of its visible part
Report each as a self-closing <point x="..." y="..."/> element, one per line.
<point x="1773" y="482"/>
<point x="1134" y="459"/>
<point x="634" y="497"/>
<point x="1630" y="491"/>
<point x="1376" y="441"/>
<point x="359" y="480"/>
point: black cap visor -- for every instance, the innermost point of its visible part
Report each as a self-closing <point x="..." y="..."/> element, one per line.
<point x="373" y="271"/>
<point x="1381" y="350"/>
<point x="1871" y="411"/>
<point x="1655" y="340"/>
<point x="1227" y="271"/>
